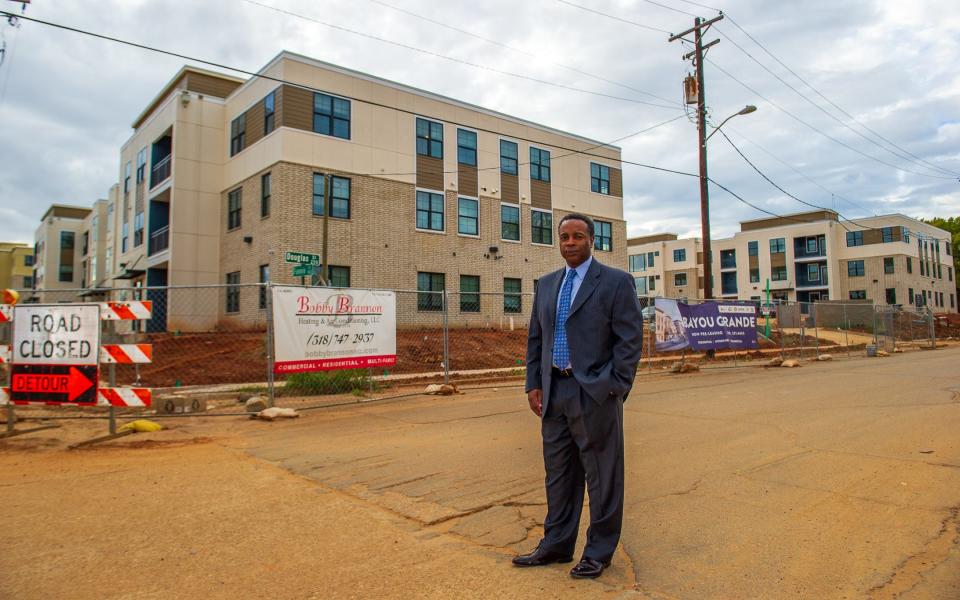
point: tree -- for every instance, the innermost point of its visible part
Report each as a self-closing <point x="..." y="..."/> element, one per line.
<point x="951" y="224"/>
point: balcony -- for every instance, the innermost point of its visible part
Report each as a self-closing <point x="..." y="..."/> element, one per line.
<point x="804" y="282"/>
<point x="159" y="240"/>
<point x="160" y="172"/>
<point x="809" y="248"/>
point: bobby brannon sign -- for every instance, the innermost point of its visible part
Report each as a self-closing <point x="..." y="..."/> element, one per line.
<point x="322" y="329"/>
<point x="706" y="326"/>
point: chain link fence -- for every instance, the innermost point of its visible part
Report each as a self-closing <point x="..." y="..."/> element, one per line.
<point x="218" y="338"/>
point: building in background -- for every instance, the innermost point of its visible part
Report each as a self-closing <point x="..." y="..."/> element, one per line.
<point x="58" y="252"/>
<point x="813" y="256"/>
<point x="664" y="265"/>
<point x="16" y="266"/>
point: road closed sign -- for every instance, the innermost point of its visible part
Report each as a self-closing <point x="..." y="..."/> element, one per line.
<point x="55" y="353"/>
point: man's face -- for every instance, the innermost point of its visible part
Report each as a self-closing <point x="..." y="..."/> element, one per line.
<point x="576" y="243"/>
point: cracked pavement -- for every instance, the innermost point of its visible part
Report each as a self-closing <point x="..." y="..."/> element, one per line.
<point x="838" y="480"/>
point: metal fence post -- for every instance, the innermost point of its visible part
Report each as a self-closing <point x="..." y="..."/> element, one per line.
<point x="271" y="392"/>
<point x="783" y="353"/>
<point x="933" y="329"/>
<point x="846" y="330"/>
<point x="446" y="339"/>
<point x="816" y="329"/>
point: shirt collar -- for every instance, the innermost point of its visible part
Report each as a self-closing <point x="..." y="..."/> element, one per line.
<point x="581" y="269"/>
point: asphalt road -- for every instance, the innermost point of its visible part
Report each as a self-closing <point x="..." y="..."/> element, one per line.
<point x="833" y="480"/>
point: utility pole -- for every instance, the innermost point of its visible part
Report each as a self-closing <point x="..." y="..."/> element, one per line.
<point x="699" y="28"/>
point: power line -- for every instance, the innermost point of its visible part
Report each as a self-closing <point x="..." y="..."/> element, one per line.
<point x="518" y="50"/>
<point x="823" y="110"/>
<point x="774" y="184"/>
<point x="824" y="134"/>
<point x="701" y="5"/>
<point x="831" y="102"/>
<point x="453" y="59"/>
<point x="683" y="12"/>
<point x="615" y="18"/>
<point x="798" y="172"/>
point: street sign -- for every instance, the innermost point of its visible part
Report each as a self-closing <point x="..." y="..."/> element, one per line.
<point x="56" y="334"/>
<point x="57" y="384"/>
<point x="303" y="270"/>
<point x="302" y="258"/>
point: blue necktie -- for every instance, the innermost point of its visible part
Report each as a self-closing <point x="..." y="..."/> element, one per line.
<point x="561" y="351"/>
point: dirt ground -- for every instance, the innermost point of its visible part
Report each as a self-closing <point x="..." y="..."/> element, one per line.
<point x="834" y="480"/>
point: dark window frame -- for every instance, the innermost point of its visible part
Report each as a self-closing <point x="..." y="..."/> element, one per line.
<point x="469" y="298"/>
<point x="269" y="113"/>
<point x="855" y="268"/>
<point x="541" y="227"/>
<point x="511" y="224"/>
<point x="234" y="209"/>
<point x="232" y="292"/>
<point x="599" y="178"/>
<point x="266" y="191"/>
<point x="238" y="134"/>
<point x="263" y="271"/>
<point x="677" y="282"/>
<point x="429" y="136"/>
<point x="468" y="219"/>
<point x="428" y="298"/>
<point x="512" y="298"/>
<point x="889" y="265"/>
<point x="509" y="161"/>
<point x="467" y="150"/>
<point x="327" y="119"/>
<point x="429" y="211"/>
<point x="778" y="245"/>
<point x="679" y="255"/>
<point x="603" y="239"/>
<point x="539" y="164"/>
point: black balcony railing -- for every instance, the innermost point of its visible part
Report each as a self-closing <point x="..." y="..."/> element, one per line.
<point x="159" y="240"/>
<point x="804" y="281"/>
<point x="160" y="172"/>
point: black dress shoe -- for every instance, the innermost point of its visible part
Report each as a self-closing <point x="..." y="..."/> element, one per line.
<point x="588" y="568"/>
<point x="539" y="557"/>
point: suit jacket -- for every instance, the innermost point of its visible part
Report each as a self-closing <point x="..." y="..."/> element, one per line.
<point x="604" y="333"/>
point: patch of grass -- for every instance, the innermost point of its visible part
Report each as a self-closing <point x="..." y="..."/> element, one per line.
<point x="354" y="381"/>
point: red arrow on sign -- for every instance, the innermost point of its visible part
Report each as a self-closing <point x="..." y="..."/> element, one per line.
<point x="78" y="384"/>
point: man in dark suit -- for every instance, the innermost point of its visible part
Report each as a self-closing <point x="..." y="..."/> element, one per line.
<point x="583" y="347"/>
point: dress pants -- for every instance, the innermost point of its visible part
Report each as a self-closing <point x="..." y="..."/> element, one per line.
<point x="582" y="442"/>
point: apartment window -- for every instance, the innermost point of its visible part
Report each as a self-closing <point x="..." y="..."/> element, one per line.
<point x="338" y="277"/>
<point x="238" y="134"/>
<point x="728" y="259"/>
<point x="468" y="216"/>
<point x="331" y="116"/>
<point x="599" y="178"/>
<point x="264" y="272"/>
<point x="951" y="301"/>
<point x="855" y="268"/>
<point x="508" y="157"/>
<point x="265" y="191"/>
<point x="922" y="267"/>
<point x="429" y="288"/>
<point x="778" y="246"/>
<point x="910" y="297"/>
<point x="813" y="272"/>
<point x="269" y="112"/>
<point x="888" y="264"/>
<point x="339" y="198"/>
<point x="753" y="248"/>
<point x="469" y="293"/>
<point x="679" y="279"/>
<point x="467" y="147"/>
<point x="891" y="295"/>
<point x="950" y="273"/>
<point x="854" y="238"/>
<point x="604" y="236"/>
<point x="429" y="138"/>
<point x="141" y="164"/>
<point x="539" y="164"/>
<point x="650" y="256"/>
<point x="541" y="224"/>
<point x="233" y="292"/>
<point x="652" y="283"/>
<point x="778" y="273"/>
<point x="124" y="238"/>
<point x="887" y="234"/>
<point x="67" y="244"/>
<point x="234" y="201"/>
<point x="510" y="222"/>
<point x="755" y="275"/>
<point x="641" y="285"/>
<point x="680" y="255"/>
<point x="939" y="271"/>
<point x="858" y="294"/>
<point x="812" y="246"/>
<point x="512" y="301"/>
<point x="909" y="264"/>
<point x="637" y="262"/>
<point x="429" y="211"/>
<point x="906" y="235"/>
<point x="28" y="283"/>
<point x="137" y="229"/>
<point x="28" y="260"/>
<point x="126" y="177"/>
<point x="728" y="282"/>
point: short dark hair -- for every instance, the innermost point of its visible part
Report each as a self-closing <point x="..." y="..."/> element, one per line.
<point x="577" y="217"/>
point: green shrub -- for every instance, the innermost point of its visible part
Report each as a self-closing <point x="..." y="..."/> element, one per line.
<point x="355" y="381"/>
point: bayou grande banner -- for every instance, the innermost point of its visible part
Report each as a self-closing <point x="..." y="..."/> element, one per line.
<point x="706" y="326"/>
<point x="322" y="329"/>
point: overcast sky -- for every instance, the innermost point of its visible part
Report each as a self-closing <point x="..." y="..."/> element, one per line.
<point x="67" y="100"/>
